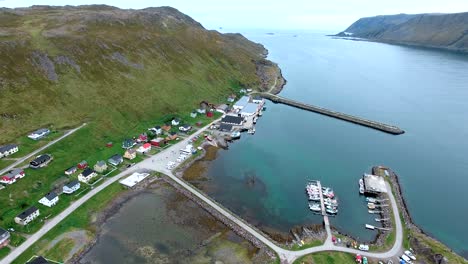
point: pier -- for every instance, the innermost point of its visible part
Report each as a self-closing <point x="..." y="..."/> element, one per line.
<point x="326" y="221"/>
<point x="349" y="118"/>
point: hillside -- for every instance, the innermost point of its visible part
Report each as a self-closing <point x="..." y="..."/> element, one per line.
<point x="446" y="31"/>
<point x="61" y="66"/>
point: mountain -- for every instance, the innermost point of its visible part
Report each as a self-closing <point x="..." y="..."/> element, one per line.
<point x="446" y="31"/>
<point x="61" y="66"/>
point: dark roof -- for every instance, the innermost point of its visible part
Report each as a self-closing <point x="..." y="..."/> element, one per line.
<point x="41" y="130"/>
<point x="72" y="183"/>
<point x="176" y="119"/>
<point x="38" y="260"/>
<point x="41" y="159"/>
<point x="2" y="232"/>
<point x="14" y="172"/>
<point x="157" y="127"/>
<point x="50" y="196"/>
<point x="28" y="212"/>
<point x="87" y="172"/>
<point x="225" y="127"/>
<point x="71" y="168"/>
<point x="7" y="147"/>
<point x="116" y="157"/>
<point x="172" y="133"/>
<point x="232" y="120"/>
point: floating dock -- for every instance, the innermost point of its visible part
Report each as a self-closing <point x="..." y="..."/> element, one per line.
<point x="350" y="118"/>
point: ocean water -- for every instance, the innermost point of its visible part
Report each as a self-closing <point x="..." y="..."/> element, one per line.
<point x="423" y="91"/>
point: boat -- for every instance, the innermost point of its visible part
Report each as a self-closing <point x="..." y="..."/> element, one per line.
<point x="371" y="206"/>
<point x="314" y="198"/>
<point x="315" y="207"/>
<point x="410" y="254"/>
<point x="371" y="227"/>
<point x="361" y="186"/>
<point x="255" y="120"/>
<point x="235" y="135"/>
<point x="264" y="108"/>
<point x="331" y="211"/>
<point x="251" y="131"/>
<point x="374" y="212"/>
<point x="371" y="200"/>
<point x="260" y="113"/>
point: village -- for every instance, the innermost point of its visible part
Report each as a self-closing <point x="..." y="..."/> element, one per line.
<point x="231" y="118"/>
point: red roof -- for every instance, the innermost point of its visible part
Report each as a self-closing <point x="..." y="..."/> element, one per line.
<point x="147" y="145"/>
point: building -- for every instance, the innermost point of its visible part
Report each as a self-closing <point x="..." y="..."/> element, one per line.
<point x="193" y="114"/>
<point x="11" y="176"/>
<point x="4" y="238"/>
<point x="232" y="120"/>
<point x="7" y="150"/>
<point x="100" y="166"/>
<point x="71" y="187"/>
<point x="38" y="260"/>
<point x="167" y="127"/>
<point x="115" y="160"/>
<point x="242" y="102"/>
<point x="225" y="128"/>
<point x="231" y="98"/>
<point x="156" y="130"/>
<point x="133" y="179"/>
<point x="130" y="154"/>
<point x="185" y="128"/>
<point x="87" y="175"/>
<point x="374" y="184"/>
<point x="82" y="165"/>
<point x="49" y="199"/>
<point x="172" y="136"/>
<point x="142" y="138"/>
<point x="257" y="99"/>
<point x="189" y="149"/>
<point x="249" y="109"/>
<point x="71" y="170"/>
<point x="144" y="148"/>
<point x="38" y="134"/>
<point x="209" y="114"/>
<point x="201" y="110"/>
<point x="40" y="161"/>
<point x="27" y="216"/>
<point x="175" y="122"/>
<point x="158" y="142"/>
<point x="223" y="108"/>
<point x="128" y="143"/>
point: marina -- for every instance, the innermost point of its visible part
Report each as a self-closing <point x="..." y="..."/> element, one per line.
<point x="321" y="199"/>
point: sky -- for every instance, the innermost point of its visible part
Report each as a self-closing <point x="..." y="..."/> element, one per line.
<point x="274" y="14"/>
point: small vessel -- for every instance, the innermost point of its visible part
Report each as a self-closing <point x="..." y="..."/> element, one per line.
<point x="251" y="131"/>
<point x="235" y="135"/>
<point x="255" y="120"/>
<point x="371" y="200"/>
<point x="371" y="227"/>
<point x="260" y="113"/>
<point x="315" y="207"/>
<point x="331" y="211"/>
<point x="264" y="108"/>
<point x="374" y="212"/>
<point x="371" y="206"/>
<point x="361" y="186"/>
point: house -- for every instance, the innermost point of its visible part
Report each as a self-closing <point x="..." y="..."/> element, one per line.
<point x="40" y="161"/>
<point x="71" y="187"/>
<point x="115" y="160"/>
<point x="257" y="99"/>
<point x="175" y="122"/>
<point x="71" y="170"/>
<point x="38" y="260"/>
<point x="142" y="138"/>
<point x="249" y="109"/>
<point x="201" y="110"/>
<point x="109" y="144"/>
<point x="144" y="148"/>
<point x="158" y="142"/>
<point x="130" y="154"/>
<point x="87" y="175"/>
<point x="38" y="134"/>
<point x="128" y="143"/>
<point x="12" y="176"/>
<point x="172" y="136"/>
<point x="242" y="102"/>
<point x="100" y="166"/>
<point x="198" y="124"/>
<point x="225" y="128"/>
<point x="49" y="199"/>
<point x="193" y="114"/>
<point x="8" y="150"/>
<point x="185" y="128"/>
<point x="27" y="216"/>
<point x="82" y="165"/>
<point x="4" y="238"/>
<point x="223" y="108"/>
<point x="232" y="120"/>
<point x="231" y="98"/>
<point x="209" y="114"/>
<point x="166" y="127"/>
<point x="156" y="130"/>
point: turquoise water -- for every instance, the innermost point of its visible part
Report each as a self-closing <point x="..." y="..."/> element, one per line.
<point x="423" y="91"/>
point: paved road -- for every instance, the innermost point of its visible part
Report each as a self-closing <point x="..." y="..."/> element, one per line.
<point x="23" y="159"/>
<point x="158" y="163"/>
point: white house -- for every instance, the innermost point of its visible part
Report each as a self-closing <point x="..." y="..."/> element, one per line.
<point x="87" y="175"/>
<point x="38" y="134"/>
<point x="27" y="216"/>
<point x="241" y="103"/>
<point x="193" y="114"/>
<point x="175" y="122"/>
<point x="185" y="128"/>
<point x="70" y="170"/>
<point x="223" y="108"/>
<point x="12" y="176"/>
<point x="71" y="187"/>
<point x="144" y="148"/>
<point x="201" y="110"/>
<point x="8" y="150"/>
<point x="157" y="130"/>
<point x="49" y="199"/>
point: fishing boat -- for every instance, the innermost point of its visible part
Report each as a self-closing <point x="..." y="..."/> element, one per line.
<point x="371" y="206"/>
<point x="361" y="186"/>
<point x="331" y="211"/>
<point x="315" y="198"/>
<point x="251" y="131"/>
<point x="255" y="120"/>
<point x="371" y="200"/>
<point x="315" y="207"/>
<point x="374" y="212"/>
<point x="235" y="135"/>
<point x="260" y="113"/>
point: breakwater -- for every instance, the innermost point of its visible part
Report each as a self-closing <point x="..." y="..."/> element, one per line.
<point x="349" y="118"/>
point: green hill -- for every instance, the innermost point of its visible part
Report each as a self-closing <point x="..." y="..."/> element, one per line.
<point x="446" y="31"/>
<point x="61" y="66"/>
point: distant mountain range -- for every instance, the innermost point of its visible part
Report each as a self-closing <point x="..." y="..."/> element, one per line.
<point x="446" y="31"/>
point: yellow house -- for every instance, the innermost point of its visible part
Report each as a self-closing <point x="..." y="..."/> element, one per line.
<point x="130" y="154"/>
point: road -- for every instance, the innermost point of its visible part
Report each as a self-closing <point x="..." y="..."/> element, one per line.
<point x="158" y="163"/>
<point x="23" y="159"/>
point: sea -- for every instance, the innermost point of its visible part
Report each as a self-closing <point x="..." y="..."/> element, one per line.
<point x="423" y="91"/>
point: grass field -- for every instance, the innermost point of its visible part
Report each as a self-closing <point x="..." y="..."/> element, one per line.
<point x="326" y="257"/>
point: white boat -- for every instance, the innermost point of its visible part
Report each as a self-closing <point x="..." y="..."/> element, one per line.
<point x="331" y="211"/>
<point x="315" y="207"/>
<point x="371" y="227"/>
<point x="235" y="135"/>
<point x="361" y="186"/>
<point x="371" y="206"/>
<point x="410" y="254"/>
<point x="251" y="131"/>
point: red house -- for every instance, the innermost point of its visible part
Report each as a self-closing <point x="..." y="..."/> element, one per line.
<point x="209" y="114"/>
<point x="82" y="165"/>
<point x="12" y="176"/>
<point x="142" y="138"/>
<point x="158" y="142"/>
<point x="109" y="144"/>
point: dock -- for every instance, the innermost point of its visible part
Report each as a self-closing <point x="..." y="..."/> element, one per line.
<point x="394" y="130"/>
<point x="324" y="214"/>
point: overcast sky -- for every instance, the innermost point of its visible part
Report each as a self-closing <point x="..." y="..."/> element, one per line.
<point x="274" y="14"/>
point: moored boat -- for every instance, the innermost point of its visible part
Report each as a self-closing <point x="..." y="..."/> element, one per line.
<point x="235" y="135"/>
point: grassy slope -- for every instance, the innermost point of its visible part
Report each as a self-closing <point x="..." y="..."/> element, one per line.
<point x="327" y="257"/>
